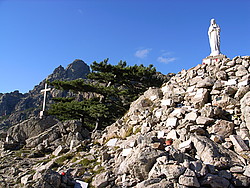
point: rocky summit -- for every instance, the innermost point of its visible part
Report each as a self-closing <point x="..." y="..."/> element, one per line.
<point x="191" y="132"/>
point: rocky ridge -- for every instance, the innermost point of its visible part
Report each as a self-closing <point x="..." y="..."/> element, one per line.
<point x="16" y="107"/>
<point x="191" y="132"/>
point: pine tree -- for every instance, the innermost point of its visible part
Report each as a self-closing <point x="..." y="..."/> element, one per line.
<point x="114" y="88"/>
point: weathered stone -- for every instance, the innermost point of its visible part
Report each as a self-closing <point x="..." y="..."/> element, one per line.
<point x="172" y="134"/>
<point x="205" y="83"/>
<point x="140" y="162"/>
<point x="240" y="180"/>
<point x="222" y="127"/>
<point x="198" y="129"/>
<point x="171" y="171"/>
<point x="30" y="128"/>
<point x="160" y="134"/>
<point x="101" y="180"/>
<point x="214" y="181"/>
<point x="247" y="171"/>
<point x="236" y="169"/>
<point x="158" y="113"/>
<point x="227" y="145"/>
<point x="185" y="145"/>
<point x="216" y="138"/>
<point x="192" y="116"/>
<point x="230" y="82"/>
<point x="73" y="144"/>
<point x="215" y="92"/>
<point x="153" y="93"/>
<point x="49" y="178"/>
<point x="218" y="85"/>
<point x="126" y="152"/>
<point x="238" y="143"/>
<point x="225" y="174"/>
<point x="245" y="109"/>
<point x="201" y="97"/>
<point x="166" y="102"/>
<point x="26" y="178"/>
<point x="199" y="168"/>
<point x="221" y="75"/>
<point x="154" y="183"/>
<point x="241" y="71"/>
<point x="112" y="142"/>
<point x="243" y="83"/>
<point x="58" y="151"/>
<point x="189" y="181"/>
<point x="171" y="122"/>
<point x="80" y="184"/>
<point x="190" y="173"/>
<point x="231" y="63"/>
<point x="204" y="120"/>
<point x="214" y="154"/>
<point x="230" y="90"/>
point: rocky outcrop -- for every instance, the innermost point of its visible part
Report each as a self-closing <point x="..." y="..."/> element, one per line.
<point x="29" y="128"/>
<point x="16" y="107"/>
<point x="198" y="122"/>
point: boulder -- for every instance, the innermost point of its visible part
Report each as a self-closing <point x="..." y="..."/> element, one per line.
<point x="205" y="83"/>
<point x="240" y="180"/>
<point x="245" y="109"/>
<point x="50" y="179"/>
<point x="222" y="128"/>
<point x="139" y="162"/>
<point x="204" y="120"/>
<point x="30" y="128"/>
<point x="101" y="180"/>
<point x="214" y="181"/>
<point x="171" y="171"/>
<point x="189" y="181"/>
<point x="239" y="144"/>
<point x="212" y="153"/>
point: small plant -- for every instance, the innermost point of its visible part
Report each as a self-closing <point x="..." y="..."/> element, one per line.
<point x="61" y="160"/>
<point x="86" y="162"/>
<point x="129" y="132"/>
<point x="20" y="152"/>
<point x="137" y="130"/>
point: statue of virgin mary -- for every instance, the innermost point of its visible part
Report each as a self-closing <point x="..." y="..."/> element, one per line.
<point x="214" y="38"/>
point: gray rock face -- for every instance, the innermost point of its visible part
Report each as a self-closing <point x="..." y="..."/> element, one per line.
<point x="30" y="128"/>
<point x="8" y="101"/>
<point x="77" y="69"/>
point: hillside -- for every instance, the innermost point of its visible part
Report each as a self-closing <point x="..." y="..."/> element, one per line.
<point x="191" y="132"/>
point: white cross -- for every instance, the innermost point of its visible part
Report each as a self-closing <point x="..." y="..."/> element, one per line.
<point x="44" y="99"/>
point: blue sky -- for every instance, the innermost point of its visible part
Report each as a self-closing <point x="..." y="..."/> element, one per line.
<point x="36" y="36"/>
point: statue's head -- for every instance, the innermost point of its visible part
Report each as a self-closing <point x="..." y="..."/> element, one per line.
<point x="213" y="21"/>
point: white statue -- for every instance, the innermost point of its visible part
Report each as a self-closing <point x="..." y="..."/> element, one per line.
<point x="214" y="38"/>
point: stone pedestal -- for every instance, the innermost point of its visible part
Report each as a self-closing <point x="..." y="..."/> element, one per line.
<point x="213" y="59"/>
